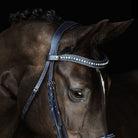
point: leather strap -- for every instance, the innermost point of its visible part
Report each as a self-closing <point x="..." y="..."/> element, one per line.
<point x="53" y="105"/>
<point x="80" y="60"/>
<point x="54" y="110"/>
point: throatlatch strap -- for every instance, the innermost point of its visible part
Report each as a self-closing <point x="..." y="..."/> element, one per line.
<point x="35" y="90"/>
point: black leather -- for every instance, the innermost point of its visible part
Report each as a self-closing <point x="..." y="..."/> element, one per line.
<point x="80" y="60"/>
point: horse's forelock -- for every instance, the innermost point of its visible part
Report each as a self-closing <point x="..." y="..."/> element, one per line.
<point x="34" y="14"/>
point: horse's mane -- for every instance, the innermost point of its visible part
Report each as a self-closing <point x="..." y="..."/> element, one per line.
<point x="34" y="14"/>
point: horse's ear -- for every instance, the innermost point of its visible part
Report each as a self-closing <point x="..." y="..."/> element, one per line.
<point x="9" y="116"/>
<point x="8" y="85"/>
<point x="95" y="34"/>
<point x="105" y="31"/>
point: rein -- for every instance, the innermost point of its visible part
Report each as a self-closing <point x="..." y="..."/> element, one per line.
<point x="49" y="65"/>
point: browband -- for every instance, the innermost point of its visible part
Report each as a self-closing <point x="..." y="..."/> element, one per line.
<point x="80" y="60"/>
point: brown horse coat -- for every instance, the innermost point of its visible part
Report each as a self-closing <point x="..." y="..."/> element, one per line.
<point x="23" y="48"/>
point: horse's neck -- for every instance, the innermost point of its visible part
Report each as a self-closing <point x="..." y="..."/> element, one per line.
<point x="26" y="43"/>
<point x="22" y="45"/>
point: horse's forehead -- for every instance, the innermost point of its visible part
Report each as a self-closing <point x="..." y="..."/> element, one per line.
<point x="75" y="71"/>
<point x="72" y="67"/>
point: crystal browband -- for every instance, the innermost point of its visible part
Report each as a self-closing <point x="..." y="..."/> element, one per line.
<point x="80" y="60"/>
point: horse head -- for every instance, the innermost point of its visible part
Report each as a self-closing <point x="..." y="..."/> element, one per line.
<point x="81" y="91"/>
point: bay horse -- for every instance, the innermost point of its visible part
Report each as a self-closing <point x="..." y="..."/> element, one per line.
<point x="80" y="90"/>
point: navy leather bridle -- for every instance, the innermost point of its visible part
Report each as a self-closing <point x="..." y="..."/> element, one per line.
<point x="51" y="58"/>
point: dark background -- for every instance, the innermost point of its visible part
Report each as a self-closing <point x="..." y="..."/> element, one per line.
<point x="122" y="51"/>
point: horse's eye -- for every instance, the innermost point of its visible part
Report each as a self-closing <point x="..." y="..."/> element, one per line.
<point x="76" y="95"/>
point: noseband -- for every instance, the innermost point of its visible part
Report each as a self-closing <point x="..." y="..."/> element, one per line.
<point x="51" y="58"/>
